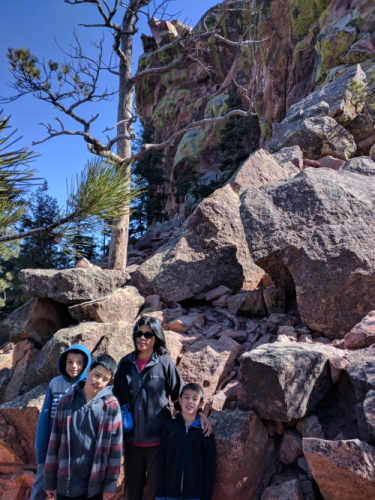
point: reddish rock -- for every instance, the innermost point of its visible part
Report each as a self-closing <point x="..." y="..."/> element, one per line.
<point x="210" y="252"/>
<point x="70" y="286"/>
<point x="208" y="362"/>
<point x="331" y="162"/>
<point x="152" y="303"/>
<point x="328" y="258"/>
<point x="310" y="427"/>
<point x="362" y="334"/>
<point x="274" y="299"/>
<point x="311" y="163"/>
<point x="290" y="447"/>
<point x="342" y="469"/>
<point x="369" y="415"/>
<point x="179" y="343"/>
<point x="221" y="302"/>
<point x="238" y="335"/>
<point x="217" y="293"/>
<point x="259" y="169"/>
<point x="121" y="305"/>
<point x="290" y="490"/>
<point x="23" y="355"/>
<point x="283" y="382"/>
<point x="18" y="419"/>
<point x="245" y="454"/>
<point x="289" y="158"/>
<point x="247" y="303"/>
<point x="184" y="323"/>
<point x="38" y="320"/>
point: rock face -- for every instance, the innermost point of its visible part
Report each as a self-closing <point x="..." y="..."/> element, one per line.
<point x="282" y="382"/>
<point x="312" y="78"/>
<point x="307" y="234"/>
<point x="317" y="122"/>
<point x="70" y="286"/>
<point x="353" y="460"/>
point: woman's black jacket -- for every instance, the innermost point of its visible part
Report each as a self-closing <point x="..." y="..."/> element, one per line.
<point x="151" y="408"/>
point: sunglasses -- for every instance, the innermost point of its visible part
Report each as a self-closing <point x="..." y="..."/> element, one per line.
<point x="147" y="335"/>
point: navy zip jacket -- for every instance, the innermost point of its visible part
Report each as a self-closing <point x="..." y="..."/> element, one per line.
<point x="151" y="408"/>
<point x="186" y="461"/>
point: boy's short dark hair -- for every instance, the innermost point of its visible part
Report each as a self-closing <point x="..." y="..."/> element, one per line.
<point x="106" y="361"/>
<point x="193" y="387"/>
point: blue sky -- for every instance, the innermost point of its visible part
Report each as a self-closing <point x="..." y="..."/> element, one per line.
<point x="35" y="25"/>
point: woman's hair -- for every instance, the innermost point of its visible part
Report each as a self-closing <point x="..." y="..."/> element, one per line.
<point x="160" y="346"/>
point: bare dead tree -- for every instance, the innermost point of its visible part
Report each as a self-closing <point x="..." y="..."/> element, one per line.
<point x="77" y="83"/>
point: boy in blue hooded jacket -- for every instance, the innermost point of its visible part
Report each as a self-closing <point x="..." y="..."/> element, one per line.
<point x="72" y="365"/>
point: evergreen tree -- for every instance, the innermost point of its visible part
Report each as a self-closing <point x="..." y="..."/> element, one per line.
<point x="236" y="128"/>
<point x="41" y="251"/>
<point x="148" y="175"/>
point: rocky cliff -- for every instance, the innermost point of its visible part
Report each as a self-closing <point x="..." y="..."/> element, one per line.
<point x="289" y="49"/>
<point x="266" y="289"/>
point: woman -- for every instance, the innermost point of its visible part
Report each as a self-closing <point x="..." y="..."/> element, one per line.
<point x="149" y="374"/>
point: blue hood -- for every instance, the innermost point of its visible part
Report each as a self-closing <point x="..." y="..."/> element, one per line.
<point x="61" y="363"/>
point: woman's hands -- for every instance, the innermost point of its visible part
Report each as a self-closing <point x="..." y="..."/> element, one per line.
<point x="205" y="424"/>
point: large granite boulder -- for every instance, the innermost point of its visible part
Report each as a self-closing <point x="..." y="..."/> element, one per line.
<point x="283" y="382"/>
<point x="344" y="470"/>
<point x="70" y="286"/>
<point x="245" y="454"/>
<point x="38" y="320"/>
<point x="259" y="169"/>
<point x="314" y="235"/>
<point x="121" y="305"/>
<point x="211" y="251"/>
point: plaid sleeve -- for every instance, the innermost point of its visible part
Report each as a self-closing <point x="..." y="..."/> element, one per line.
<point x="115" y="451"/>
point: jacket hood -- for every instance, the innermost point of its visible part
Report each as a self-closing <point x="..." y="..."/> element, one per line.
<point x="61" y="363"/>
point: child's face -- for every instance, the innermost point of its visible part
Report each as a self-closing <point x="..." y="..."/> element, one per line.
<point x="74" y="365"/>
<point x="190" y="402"/>
<point x="97" y="379"/>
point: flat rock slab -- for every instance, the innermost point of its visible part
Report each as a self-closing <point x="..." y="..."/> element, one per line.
<point x="344" y="470"/>
<point x="121" y="305"/>
<point x="282" y="382"/>
<point x="70" y="286"/>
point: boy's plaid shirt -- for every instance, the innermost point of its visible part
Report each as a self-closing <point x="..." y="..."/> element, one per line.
<point x="108" y="449"/>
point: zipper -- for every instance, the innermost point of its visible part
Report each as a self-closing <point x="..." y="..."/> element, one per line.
<point x="183" y="470"/>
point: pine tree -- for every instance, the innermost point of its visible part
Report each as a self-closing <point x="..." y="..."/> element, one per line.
<point x="236" y="128"/>
<point x="41" y="251"/>
<point x="148" y="175"/>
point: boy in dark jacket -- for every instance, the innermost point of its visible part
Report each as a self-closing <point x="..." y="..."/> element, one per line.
<point x="187" y="458"/>
<point x="84" y="452"/>
<point x="72" y="365"/>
